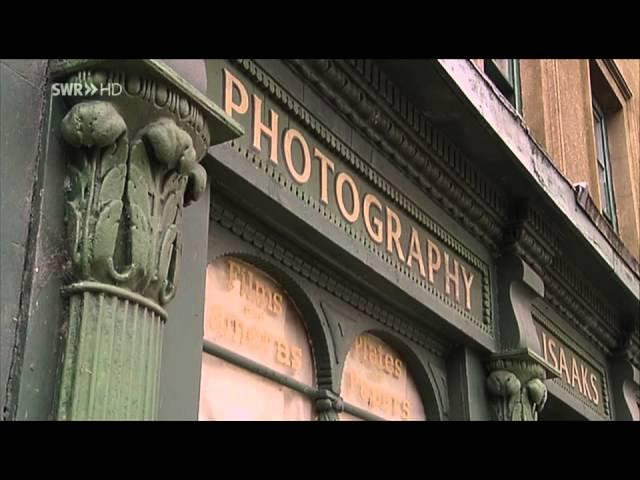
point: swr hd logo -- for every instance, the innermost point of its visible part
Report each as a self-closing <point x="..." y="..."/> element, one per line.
<point x="85" y="89"/>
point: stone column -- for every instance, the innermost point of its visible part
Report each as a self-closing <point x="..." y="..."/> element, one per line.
<point x="137" y="132"/>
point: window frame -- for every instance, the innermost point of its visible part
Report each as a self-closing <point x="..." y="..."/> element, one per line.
<point x="603" y="166"/>
<point x="510" y="87"/>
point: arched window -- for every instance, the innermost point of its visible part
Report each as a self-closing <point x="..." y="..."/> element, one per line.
<point x="376" y="383"/>
<point x="257" y="361"/>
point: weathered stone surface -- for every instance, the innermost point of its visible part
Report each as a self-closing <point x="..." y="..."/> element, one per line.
<point x="20" y="117"/>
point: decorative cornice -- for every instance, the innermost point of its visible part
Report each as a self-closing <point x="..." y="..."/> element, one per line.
<point x="253" y="234"/>
<point x="566" y="305"/>
<point x="346" y="153"/>
<point x="589" y="297"/>
<point x="370" y="100"/>
<point x="536" y="240"/>
<point x="529" y="236"/>
<point x="154" y="93"/>
<point x="420" y="150"/>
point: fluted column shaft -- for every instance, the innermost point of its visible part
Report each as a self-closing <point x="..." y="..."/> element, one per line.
<point x="137" y="135"/>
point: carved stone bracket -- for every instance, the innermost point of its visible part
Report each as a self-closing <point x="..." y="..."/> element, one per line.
<point x="328" y="406"/>
<point x="516" y="389"/>
<point x="138" y="133"/>
<point x="517" y="374"/>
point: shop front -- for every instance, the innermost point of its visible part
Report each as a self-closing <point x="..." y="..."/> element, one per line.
<point x="292" y="240"/>
<point x="302" y="304"/>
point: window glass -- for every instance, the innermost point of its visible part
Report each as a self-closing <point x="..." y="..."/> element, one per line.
<point x="376" y="379"/>
<point x="505" y="74"/>
<point x="229" y="392"/>
<point x="250" y="317"/>
<point x="604" y="165"/>
<point x="505" y="67"/>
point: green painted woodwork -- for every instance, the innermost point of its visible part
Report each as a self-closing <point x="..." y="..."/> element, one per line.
<point x="112" y="358"/>
<point x="517" y="389"/>
<point x="328" y="406"/>
<point x="135" y="166"/>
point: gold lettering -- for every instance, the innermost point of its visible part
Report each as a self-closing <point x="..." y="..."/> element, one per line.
<point x="405" y="410"/>
<point x="575" y="375"/>
<point x="388" y="363"/>
<point x="376" y="233"/>
<point x="552" y="348"/>
<point x="293" y="134"/>
<point x="585" y="385"/>
<point x="379" y="357"/>
<point x="394" y="402"/>
<point x="229" y="106"/>
<point x="468" y="280"/>
<point x="325" y="165"/>
<point x="282" y="353"/>
<point x="394" y="232"/>
<point x="398" y="370"/>
<point x="377" y="398"/>
<point x="260" y="294"/>
<point x="596" y="393"/>
<point x="260" y="128"/>
<point x="234" y="273"/>
<point x="563" y="365"/>
<point x="352" y="216"/>
<point x="386" y="405"/>
<point x="451" y="277"/>
<point x="296" y="358"/>
<point x="372" y="354"/>
<point x="434" y="261"/>
<point x="415" y="252"/>
<point x="277" y="303"/>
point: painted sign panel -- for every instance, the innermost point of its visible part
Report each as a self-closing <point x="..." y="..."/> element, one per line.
<point x="353" y="196"/>
<point x="375" y="378"/>
<point x="577" y="375"/>
<point x="248" y="313"/>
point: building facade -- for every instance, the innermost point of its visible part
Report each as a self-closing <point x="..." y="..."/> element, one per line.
<point x="320" y="239"/>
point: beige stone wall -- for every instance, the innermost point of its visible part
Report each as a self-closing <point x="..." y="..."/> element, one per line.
<point x="557" y="107"/>
<point x="631" y="71"/>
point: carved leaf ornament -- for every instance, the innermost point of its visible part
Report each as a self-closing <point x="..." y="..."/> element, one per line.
<point x="125" y="199"/>
<point x="518" y="390"/>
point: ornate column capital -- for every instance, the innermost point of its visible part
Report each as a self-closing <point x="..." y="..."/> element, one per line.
<point x="516" y="387"/>
<point x="517" y="372"/>
<point x="138" y="132"/>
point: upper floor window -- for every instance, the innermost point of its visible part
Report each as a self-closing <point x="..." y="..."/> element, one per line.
<point x="603" y="157"/>
<point x="505" y="74"/>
